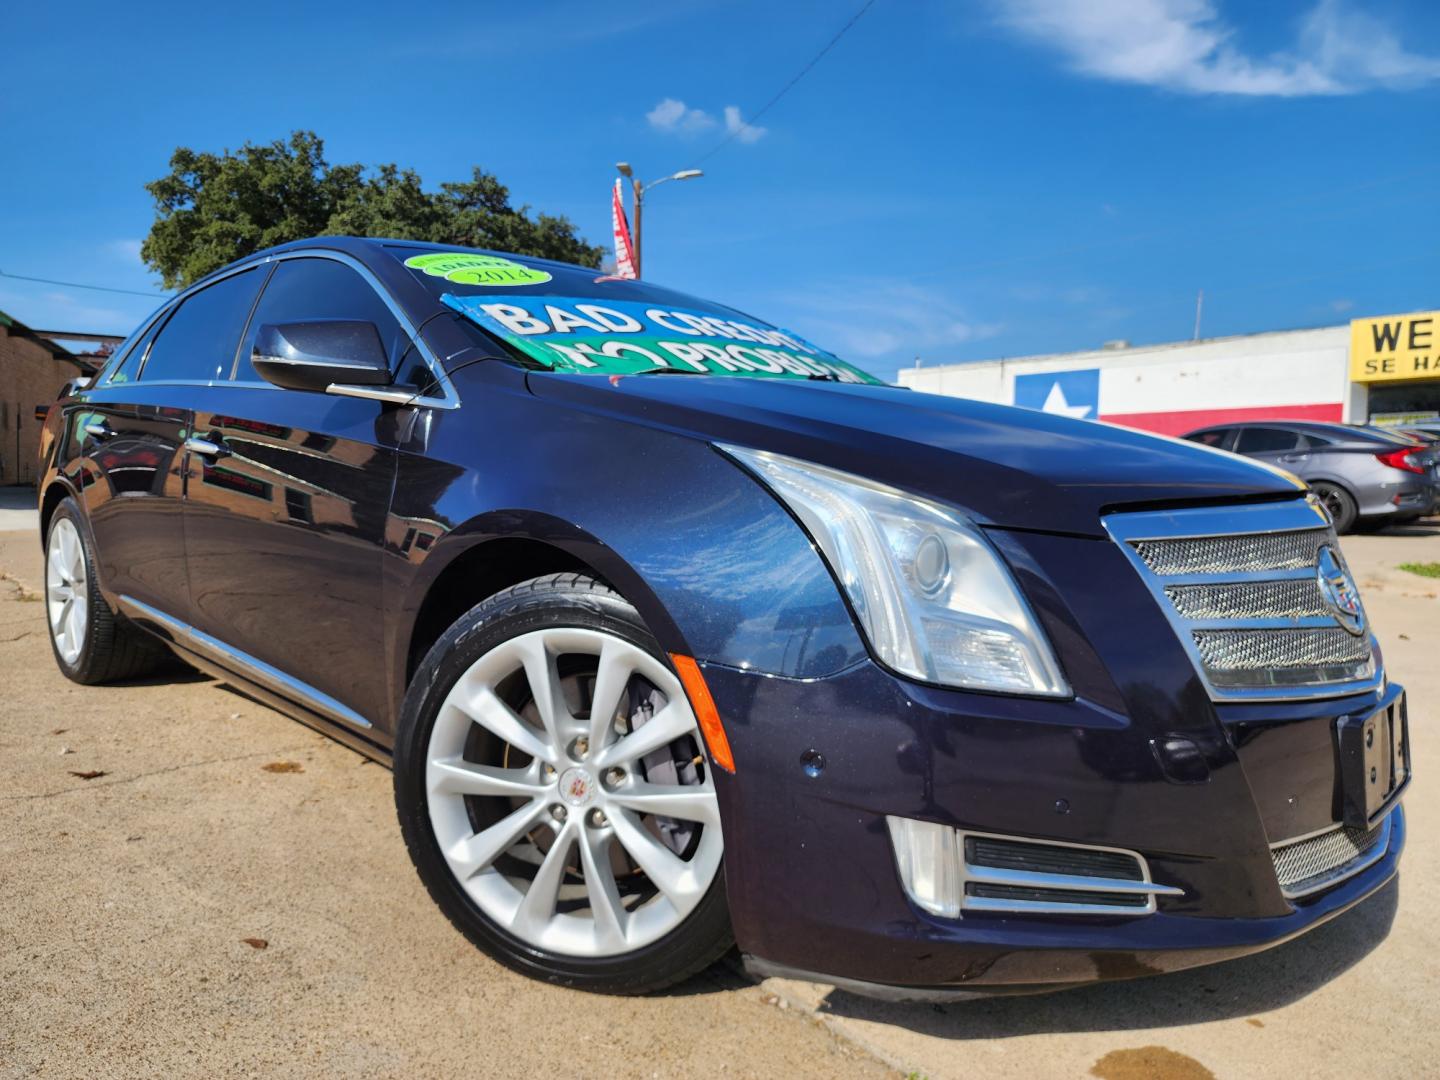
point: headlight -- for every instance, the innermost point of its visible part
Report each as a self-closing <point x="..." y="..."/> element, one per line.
<point x="933" y="597"/>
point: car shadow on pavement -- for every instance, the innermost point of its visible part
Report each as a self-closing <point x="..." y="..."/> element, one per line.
<point x="1242" y="988"/>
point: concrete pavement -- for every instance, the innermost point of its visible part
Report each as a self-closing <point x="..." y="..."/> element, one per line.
<point x="126" y="902"/>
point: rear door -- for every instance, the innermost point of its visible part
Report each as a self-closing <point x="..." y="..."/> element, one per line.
<point x="285" y="521"/>
<point x="132" y="432"/>
<point x="1273" y="445"/>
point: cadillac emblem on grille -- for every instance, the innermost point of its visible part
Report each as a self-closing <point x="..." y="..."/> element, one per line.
<point x="1338" y="590"/>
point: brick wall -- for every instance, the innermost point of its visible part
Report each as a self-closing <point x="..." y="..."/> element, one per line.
<point x="30" y="375"/>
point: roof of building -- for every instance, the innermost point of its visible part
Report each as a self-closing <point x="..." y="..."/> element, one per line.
<point x="1129" y="349"/>
<point x="18" y="329"/>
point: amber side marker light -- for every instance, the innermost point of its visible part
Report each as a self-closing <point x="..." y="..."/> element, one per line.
<point x="705" y="711"/>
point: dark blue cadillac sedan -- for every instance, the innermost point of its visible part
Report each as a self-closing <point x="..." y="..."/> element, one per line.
<point x="682" y="632"/>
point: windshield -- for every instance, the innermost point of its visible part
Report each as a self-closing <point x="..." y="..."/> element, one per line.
<point x="570" y="319"/>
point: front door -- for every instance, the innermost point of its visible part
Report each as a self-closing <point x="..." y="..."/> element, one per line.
<point x="285" y="516"/>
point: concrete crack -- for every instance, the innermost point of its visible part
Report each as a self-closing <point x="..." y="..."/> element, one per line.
<point x="91" y="785"/>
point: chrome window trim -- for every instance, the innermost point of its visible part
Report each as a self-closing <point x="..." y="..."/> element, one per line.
<point x="133" y="342"/>
<point x="449" y="398"/>
<point x="242" y="662"/>
<point x="1194" y="523"/>
<point x="174" y="306"/>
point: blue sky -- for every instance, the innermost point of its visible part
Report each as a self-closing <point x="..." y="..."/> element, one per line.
<point x="954" y="180"/>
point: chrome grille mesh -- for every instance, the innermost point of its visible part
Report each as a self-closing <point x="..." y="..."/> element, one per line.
<point x="1247" y="600"/>
<point x="1241" y="650"/>
<point x="1242" y="587"/>
<point x="1306" y="866"/>
<point x="1238" y="554"/>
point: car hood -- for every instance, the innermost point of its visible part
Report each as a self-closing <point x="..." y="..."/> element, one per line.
<point x="1008" y="467"/>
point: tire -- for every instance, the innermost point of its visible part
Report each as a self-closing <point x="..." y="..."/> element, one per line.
<point x="534" y="836"/>
<point x="92" y="644"/>
<point x="1339" y="504"/>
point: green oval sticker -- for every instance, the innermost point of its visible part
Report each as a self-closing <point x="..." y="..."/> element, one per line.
<point x="476" y="269"/>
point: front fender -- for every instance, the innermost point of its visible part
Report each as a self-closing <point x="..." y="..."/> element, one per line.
<point x="718" y="569"/>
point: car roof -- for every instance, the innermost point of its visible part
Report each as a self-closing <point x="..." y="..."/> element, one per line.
<point x="380" y="253"/>
<point x="1329" y="429"/>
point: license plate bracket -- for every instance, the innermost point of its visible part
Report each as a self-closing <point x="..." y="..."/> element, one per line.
<point x="1374" y="761"/>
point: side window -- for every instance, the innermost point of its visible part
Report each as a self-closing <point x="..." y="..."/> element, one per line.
<point x="198" y="341"/>
<point x="1311" y="439"/>
<point x="130" y="361"/>
<point x="310" y="290"/>
<point x="1216" y="437"/>
<point x="1264" y="440"/>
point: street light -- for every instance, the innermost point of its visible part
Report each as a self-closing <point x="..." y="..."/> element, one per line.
<point x="639" y="191"/>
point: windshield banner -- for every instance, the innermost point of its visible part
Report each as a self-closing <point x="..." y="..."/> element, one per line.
<point x="624" y="337"/>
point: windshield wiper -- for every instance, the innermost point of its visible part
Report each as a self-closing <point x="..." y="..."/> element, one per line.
<point x="663" y="371"/>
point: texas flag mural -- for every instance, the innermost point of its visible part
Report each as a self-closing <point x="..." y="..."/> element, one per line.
<point x="624" y="249"/>
<point x="1064" y="393"/>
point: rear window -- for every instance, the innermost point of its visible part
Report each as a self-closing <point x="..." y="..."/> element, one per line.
<point x="1266" y="440"/>
<point x="569" y="319"/>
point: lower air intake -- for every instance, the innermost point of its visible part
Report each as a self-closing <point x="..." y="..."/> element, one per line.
<point x="1318" y="862"/>
<point x="949" y="873"/>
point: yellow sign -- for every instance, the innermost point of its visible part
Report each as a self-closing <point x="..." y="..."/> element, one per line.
<point x="1395" y="347"/>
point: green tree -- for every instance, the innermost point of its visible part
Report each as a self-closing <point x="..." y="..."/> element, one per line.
<point x="213" y="209"/>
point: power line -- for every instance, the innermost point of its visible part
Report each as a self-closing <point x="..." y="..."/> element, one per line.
<point x="745" y="125"/>
<point x="78" y="285"/>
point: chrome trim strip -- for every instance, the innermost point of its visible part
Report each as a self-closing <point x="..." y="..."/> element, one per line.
<point x="1231" y="577"/>
<point x="1201" y="522"/>
<point x="1041" y="907"/>
<point x="387" y="394"/>
<point x="1028" y="879"/>
<point x="1194" y="523"/>
<point x="245" y="664"/>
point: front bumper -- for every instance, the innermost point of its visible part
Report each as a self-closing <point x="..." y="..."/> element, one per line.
<point x="811" y="874"/>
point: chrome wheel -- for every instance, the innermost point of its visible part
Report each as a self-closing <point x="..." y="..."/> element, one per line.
<point x="568" y="792"/>
<point x="67" y="590"/>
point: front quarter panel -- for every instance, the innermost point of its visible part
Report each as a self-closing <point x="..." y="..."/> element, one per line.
<point x="716" y="566"/>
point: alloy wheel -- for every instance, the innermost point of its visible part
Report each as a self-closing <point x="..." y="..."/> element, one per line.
<point x="67" y="590"/>
<point x="569" y="795"/>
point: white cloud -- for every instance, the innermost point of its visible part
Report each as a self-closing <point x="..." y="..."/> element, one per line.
<point x="868" y="319"/>
<point x="1186" y="45"/>
<point x="734" y="125"/>
<point x="673" y="116"/>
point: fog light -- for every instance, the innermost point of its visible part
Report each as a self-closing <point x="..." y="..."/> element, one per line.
<point x="928" y="857"/>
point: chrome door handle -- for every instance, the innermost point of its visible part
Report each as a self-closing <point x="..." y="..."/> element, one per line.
<point x="97" y="431"/>
<point x="204" y="447"/>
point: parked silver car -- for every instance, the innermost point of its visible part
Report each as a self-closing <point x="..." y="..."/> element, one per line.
<point x="1364" y="476"/>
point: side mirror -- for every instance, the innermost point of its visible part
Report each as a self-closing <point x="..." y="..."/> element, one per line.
<point x="314" y="355"/>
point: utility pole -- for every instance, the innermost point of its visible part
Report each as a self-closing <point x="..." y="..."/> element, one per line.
<point x="638" y="190"/>
<point x="1199" y="303"/>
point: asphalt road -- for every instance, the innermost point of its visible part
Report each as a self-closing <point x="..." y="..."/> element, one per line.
<point x="126" y="902"/>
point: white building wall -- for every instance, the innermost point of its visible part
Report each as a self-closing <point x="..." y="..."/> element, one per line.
<point x="1178" y="387"/>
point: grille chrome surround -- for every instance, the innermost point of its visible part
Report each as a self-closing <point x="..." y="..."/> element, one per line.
<point x="1312" y="863"/>
<point x="1241" y="587"/>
